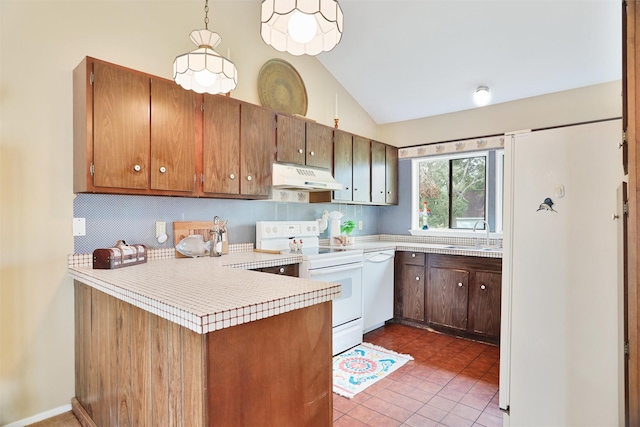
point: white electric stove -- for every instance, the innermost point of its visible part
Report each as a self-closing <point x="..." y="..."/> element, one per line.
<point x="327" y="264"/>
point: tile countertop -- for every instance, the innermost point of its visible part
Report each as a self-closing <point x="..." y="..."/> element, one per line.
<point x="204" y="294"/>
<point x="447" y="249"/>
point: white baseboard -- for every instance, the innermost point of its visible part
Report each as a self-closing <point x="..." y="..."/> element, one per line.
<point x="41" y="416"/>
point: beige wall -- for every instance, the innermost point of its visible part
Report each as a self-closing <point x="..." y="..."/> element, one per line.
<point x="596" y="102"/>
<point x="41" y="43"/>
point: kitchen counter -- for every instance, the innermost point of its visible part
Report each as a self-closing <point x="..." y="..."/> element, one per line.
<point x="437" y="248"/>
<point x="209" y="293"/>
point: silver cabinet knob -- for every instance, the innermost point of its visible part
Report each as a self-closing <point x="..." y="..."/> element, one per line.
<point x="413" y="255"/>
<point x="281" y="269"/>
<point x="163" y="169"/>
<point x="300" y="150"/>
<point x="249" y="178"/>
<point x="417" y="277"/>
<point x="137" y="168"/>
<point x="232" y="176"/>
<point x="483" y="287"/>
<point x="312" y="153"/>
<point x="459" y="284"/>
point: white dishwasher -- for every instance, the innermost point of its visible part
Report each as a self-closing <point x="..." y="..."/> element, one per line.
<point x="377" y="289"/>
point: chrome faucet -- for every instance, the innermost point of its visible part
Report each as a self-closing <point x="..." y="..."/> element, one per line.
<point x="486" y="227"/>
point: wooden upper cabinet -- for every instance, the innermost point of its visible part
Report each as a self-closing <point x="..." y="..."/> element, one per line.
<point x="378" y="172"/>
<point x="121" y="133"/>
<point x="257" y="142"/>
<point x="221" y="145"/>
<point x="361" y="169"/>
<point x="290" y="139"/>
<point x="391" y="176"/>
<point x="173" y="137"/>
<point x="343" y="165"/>
<point x="319" y="145"/>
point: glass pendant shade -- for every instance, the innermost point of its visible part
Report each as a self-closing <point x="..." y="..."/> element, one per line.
<point x="203" y="70"/>
<point x="301" y="26"/>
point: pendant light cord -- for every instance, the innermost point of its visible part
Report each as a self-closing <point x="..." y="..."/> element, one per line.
<point x="206" y="14"/>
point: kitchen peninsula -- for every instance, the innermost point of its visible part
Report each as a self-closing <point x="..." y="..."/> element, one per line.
<point x="193" y="342"/>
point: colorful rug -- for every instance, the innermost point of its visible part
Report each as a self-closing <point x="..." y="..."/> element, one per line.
<point x="364" y="365"/>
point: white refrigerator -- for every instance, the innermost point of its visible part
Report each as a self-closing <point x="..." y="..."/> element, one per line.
<point x="559" y="350"/>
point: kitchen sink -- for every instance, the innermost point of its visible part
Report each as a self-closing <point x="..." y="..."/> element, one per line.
<point x="473" y="248"/>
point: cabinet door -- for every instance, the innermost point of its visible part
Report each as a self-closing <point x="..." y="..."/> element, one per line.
<point x="221" y="149"/>
<point x="447" y="297"/>
<point x="378" y="172"/>
<point x="361" y="169"/>
<point x="121" y="128"/>
<point x="173" y="161"/>
<point x="410" y="287"/>
<point x="343" y="165"/>
<point x="391" y="176"/>
<point x="485" y="308"/>
<point x="290" y="140"/>
<point x="319" y="145"/>
<point x="257" y="144"/>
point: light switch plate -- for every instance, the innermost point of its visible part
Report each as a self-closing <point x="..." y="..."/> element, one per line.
<point x="360" y="225"/>
<point x="79" y="227"/>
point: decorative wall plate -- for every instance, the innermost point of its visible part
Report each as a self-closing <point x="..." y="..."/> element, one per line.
<point x="281" y="88"/>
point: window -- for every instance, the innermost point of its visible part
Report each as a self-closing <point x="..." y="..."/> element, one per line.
<point x="455" y="192"/>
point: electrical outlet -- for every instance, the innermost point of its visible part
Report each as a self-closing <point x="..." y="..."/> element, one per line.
<point x="161" y="228"/>
<point x="79" y="227"/>
<point x="360" y="225"/>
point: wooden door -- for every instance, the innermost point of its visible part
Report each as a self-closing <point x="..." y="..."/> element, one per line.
<point x="173" y="137"/>
<point x="484" y="310"/>
<point x="221" y="148"/>
<point x="361" y="169"/>
<point x="257" y="145"/>
<point x="447" y="297"/>
<point x="290" y="139"/>
<point x="623" y="277"/>
<point x="319" y="146"/>
<point x="409" y="289"/>
<point x="391" y="176"/>
<point x="343" y="165"/>
<point x="121" y="128"/>
<point x="378" y="172"/>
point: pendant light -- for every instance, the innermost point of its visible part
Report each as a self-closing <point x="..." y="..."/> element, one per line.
<point x="204" y="70"/>
<point x="301" y="26"/>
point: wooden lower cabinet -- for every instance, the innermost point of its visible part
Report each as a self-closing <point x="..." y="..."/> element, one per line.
<point x="134" y="368"/>
<point x="283" y="270"/>
<point x="448" y="297"/>
<point x="453" y="294"/>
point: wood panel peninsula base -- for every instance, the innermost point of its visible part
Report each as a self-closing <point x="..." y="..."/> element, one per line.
<point x="134" y="368"/>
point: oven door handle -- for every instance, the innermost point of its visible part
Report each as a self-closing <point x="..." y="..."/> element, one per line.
<point x="349" y="267"/>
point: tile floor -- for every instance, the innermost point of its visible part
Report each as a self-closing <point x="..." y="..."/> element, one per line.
<point x="452" y="382"/>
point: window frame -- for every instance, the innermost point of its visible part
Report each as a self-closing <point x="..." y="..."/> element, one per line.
<point x="496" y="191"/>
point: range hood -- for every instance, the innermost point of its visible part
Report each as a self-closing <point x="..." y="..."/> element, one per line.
<point x="298" y="177"/>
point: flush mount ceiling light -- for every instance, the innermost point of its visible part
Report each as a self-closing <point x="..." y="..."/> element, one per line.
<point x="301" y="26"/>
<point x="482" y="96"/>
<point x="204" y="70"/>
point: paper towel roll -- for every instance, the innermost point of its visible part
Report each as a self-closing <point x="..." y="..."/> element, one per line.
<point x="334" y="231"/>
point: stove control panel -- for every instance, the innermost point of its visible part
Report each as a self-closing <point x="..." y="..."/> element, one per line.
<point x="286" y="229"/>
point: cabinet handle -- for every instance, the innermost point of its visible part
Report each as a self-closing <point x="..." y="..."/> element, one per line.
<point x="483" y="287"/>
<point x="137" y="168"/>
<point x="300" y="150"/>
<point x="459" y="284"/>
<point x="346" y="188"/>
<point x="355" y="189"/>
<point x="281" y="269"/>
<point x="163" y="169"/>
<point x="312" y="153"/>
<point x="381" y="192"/>
<point x="418" y="278"/>
<point x="413" y="255"/>
<point x="232" y="176"/>
<point x="249" y="178"/>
